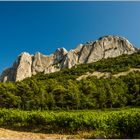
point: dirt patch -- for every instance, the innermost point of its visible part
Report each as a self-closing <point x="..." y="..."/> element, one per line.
<point x="6" y="133"/>
<point x="106" y="74"/>
<point x="126" y="72"/>
<point x="95" y="73"/>
<point x="10" y="134"/>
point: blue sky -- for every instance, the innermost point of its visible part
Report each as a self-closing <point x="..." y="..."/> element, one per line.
<point x="45" y="26"/>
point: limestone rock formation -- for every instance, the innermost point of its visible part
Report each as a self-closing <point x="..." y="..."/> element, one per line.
<point x="27" y="65"/>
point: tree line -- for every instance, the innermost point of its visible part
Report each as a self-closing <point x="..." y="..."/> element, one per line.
<point x="91" y="93"/>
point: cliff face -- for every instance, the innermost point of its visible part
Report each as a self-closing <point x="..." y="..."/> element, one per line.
<point x="27" y="65"/>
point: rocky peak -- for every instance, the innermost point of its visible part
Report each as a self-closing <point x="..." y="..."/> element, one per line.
<point x="104" y="47"/>
<point x="22" y="67"/>
<point x="59" y="54"/>
<point x="27" y="65"/>
<point x="61" y="51"/>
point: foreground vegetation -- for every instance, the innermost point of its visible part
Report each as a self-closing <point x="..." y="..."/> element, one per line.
<point x="124" y="123"/>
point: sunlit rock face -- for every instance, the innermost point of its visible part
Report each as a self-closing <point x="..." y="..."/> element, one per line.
<point x="27" y="65"/>
<point x="21" y="69"/>
<point x="108" y="46"/>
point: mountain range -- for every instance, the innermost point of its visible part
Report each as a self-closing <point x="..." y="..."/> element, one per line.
<point x="27" y="65"/>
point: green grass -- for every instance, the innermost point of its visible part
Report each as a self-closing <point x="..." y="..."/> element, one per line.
<point x="120" y="123"/>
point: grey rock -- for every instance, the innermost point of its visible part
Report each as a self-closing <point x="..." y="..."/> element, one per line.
<point x="5" y="76"/>
<point x="20" y="69"/>
<point x="27" y="65"/>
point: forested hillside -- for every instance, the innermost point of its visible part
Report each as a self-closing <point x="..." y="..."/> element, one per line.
<point x="61" y="90"/>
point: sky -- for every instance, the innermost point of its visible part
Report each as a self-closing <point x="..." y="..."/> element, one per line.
<point x="45" y="26"/>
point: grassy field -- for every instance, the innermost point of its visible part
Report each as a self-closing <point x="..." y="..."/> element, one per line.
<point x="111" y="123"/>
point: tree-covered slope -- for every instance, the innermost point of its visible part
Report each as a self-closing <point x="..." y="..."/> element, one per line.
<point x="61" y="90"/>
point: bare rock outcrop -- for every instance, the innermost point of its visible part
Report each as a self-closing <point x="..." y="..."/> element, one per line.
<point x="108" y="46"/>
<point x="27" y="65"/>
<point x="20" y="69"/>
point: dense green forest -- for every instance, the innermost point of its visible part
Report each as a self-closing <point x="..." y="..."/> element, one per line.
<point x="61" y="90"/>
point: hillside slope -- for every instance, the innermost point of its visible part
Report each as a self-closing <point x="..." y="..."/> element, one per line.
<point x="61" y="90"/>
<point x="27" y="65"/>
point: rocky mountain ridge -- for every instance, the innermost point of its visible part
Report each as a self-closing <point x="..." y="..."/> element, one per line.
<point x="27" y="65"/>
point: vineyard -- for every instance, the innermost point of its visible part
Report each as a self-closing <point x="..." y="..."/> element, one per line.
<point x="119" y="123"/>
